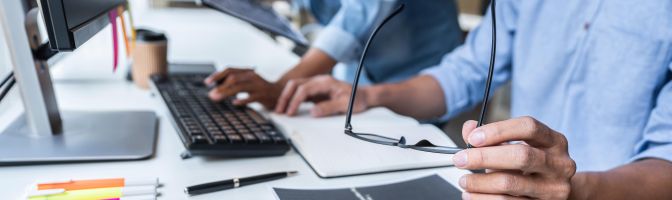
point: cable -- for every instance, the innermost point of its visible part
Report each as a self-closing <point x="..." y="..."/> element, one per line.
<point x="4" y="80"/>
<point x="6" y="86"/>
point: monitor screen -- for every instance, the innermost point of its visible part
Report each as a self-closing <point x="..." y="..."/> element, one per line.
<point x="70" y="23"/>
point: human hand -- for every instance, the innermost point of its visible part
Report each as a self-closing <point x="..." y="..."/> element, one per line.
<point x="329" y="95"/>
<point x="537" y="168"/>
<point x="234" y="81"/>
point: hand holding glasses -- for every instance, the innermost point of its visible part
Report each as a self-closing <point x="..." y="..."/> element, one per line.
<point x="423" y="145"/>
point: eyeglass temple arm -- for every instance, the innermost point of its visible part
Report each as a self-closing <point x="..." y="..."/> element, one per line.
<point x="348" y="126"/>
<point x="491" y="69"/>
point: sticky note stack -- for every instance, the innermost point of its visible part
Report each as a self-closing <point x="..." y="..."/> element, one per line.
<point x="95" y="189"/>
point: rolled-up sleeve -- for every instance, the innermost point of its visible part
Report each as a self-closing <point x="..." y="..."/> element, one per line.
<point x="463" y="72"/>
<point x="657" y="139"/>
<point x="344" y="36"/>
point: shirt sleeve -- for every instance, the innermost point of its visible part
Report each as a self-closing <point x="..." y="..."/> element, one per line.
<point x="657" y="139"/>
<point x="462" y="73"/>
<point x="343" y="38"/>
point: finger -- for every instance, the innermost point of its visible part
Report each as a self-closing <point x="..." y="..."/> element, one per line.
<point x="477" y="196"/>
<point x="240" y="102"/>
<point x="499" y="183"/>
<point x="287" y="94"/>
<point x="507" y="157"/>
<point x="213" y="78"/>
<point x="305" y="91"/>
<point x="327" y="108"/>
<point x="225" y="91"/>
<point x="525" y="128"/>
<point x="234" y="84"/>
<point x="467" y="128"/>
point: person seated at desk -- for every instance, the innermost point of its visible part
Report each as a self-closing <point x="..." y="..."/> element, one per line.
<point x="420" y="36"/>
<point x="591" y="92"/>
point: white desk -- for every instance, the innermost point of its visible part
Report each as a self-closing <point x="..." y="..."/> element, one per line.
<point x="84" y="82"/>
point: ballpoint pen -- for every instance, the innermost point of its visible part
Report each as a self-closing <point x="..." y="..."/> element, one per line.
<point x="235" y="183"/>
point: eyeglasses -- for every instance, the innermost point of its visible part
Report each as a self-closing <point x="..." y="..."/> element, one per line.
<point x="422" y="145"/>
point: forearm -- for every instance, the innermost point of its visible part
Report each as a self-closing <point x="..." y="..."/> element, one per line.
<point x="645" y="179"/>
<point x="314" y="62"/>
<point x="420" y="97"/>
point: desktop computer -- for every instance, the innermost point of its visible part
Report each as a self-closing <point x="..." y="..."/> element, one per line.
<point x="44" y="133"/>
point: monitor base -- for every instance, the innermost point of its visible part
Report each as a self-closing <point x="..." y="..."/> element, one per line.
<point x="86" y="137"/>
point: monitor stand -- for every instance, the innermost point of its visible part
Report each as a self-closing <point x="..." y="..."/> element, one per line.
<point x="86" y="137"/>
<point x="44" y="134"/>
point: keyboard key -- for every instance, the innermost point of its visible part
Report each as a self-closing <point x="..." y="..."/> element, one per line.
<point x="219" y="139"/>
<point x="199" y="139"/>
<point x="234" y="138"/>
<point x="249" y="137"/>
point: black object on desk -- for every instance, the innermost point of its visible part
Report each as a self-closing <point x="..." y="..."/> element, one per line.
<point x="210" y="128"/>
<point x="427" y="188"/>
<point x="235" y="183"/>
<point x="261" y="16"/>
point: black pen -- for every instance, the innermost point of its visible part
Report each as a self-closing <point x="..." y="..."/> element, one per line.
<point x="235" y="183"/>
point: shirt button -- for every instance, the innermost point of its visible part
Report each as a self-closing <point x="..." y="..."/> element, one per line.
<point x="586" y="26"/>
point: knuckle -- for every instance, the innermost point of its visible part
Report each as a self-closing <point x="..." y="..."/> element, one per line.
<point x="479" y="157"/>
<point x="526" y="156"/>
<point x="506" y="183"/>
<point x="569" y="168"/>
<point x="530" y="123"/>
<point x="233" y="78"/>
<point x="300" y="90"/>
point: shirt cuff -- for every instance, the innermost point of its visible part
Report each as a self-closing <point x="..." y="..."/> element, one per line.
<point x="338" y="44"/>
<point x="454" y="92"/>
<point x="655" y="150"/>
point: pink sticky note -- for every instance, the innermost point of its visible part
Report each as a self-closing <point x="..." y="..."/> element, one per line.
<point x="113" y="21"/>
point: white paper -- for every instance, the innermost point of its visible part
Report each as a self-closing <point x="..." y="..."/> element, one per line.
<point x="331" y="152"/>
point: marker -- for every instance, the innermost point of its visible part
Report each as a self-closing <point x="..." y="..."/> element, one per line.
<point x="101" y="193"/>
<point x="95" y="183"/>
<point x="144" y="197"/>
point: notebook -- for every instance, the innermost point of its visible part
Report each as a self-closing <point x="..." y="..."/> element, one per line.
<point x="332" y="153"/>
<point x="427" y="188"/>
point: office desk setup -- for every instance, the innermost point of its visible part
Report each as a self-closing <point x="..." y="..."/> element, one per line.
<point x="196" y="35"/>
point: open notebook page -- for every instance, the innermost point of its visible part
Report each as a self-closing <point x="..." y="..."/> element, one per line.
<point x="332" y="153"/>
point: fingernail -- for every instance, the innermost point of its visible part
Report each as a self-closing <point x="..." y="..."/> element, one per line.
<point x="465" y="196"/>
<point x="315" y="112"/>
<point x="460" y="159"/>
<point x="463" y="182"/>
<point x="477" y="138"/>
<point x="469" y="123"/>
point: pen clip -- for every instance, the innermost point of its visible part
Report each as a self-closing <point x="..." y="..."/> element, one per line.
<point x="36" y="193"/>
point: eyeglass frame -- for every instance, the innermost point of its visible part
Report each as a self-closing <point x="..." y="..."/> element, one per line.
<point x="422" y="145"/>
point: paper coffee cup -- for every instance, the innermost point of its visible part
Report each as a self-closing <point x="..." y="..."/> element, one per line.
<point x="149" y="57"/>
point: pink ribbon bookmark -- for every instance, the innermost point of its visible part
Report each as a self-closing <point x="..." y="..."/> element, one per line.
<point x="113" y="21"/>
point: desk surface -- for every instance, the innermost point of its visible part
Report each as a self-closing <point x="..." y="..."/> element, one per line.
<point x="195" y="35"/>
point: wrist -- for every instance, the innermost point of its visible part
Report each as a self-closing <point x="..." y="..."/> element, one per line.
<point x="582" y="185"/>
<point x="372" y="95"/>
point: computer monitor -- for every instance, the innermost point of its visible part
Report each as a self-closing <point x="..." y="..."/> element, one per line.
<point x="45" y="134"/>
<point x="70" y="23"/>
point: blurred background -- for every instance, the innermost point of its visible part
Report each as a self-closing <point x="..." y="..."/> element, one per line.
<point x="471" y="12"/>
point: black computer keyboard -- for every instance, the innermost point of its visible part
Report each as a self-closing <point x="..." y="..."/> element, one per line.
<point x="216" y="128"/>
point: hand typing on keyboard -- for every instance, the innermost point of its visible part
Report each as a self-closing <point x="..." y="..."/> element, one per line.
<point x="217" y="128"/>
<point x="230" y="82"/>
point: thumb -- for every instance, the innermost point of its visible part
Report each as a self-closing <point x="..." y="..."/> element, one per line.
<point x="327" y="108"/>
<point x="467" y="128"/>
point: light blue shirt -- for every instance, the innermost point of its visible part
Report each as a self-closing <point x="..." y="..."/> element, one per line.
<point x="414" y="40"/>
<point x="597" y="71"/>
